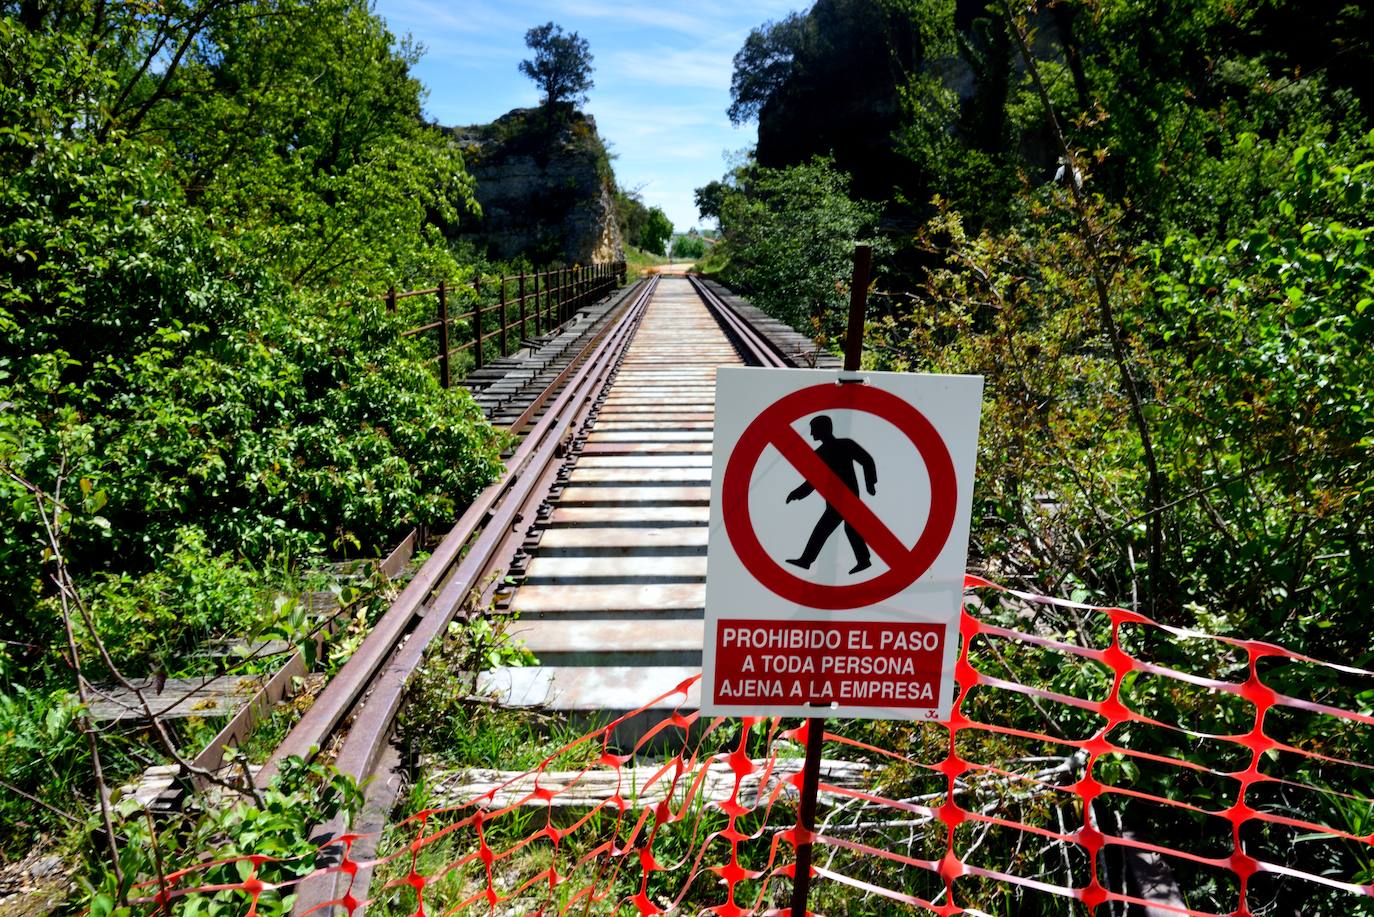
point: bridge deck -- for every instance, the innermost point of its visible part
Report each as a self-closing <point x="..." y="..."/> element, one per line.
<point x="613" y="597"/>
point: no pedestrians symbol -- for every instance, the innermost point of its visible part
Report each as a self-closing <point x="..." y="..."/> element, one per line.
<point x="799" y="620"/>
<point x="774" y="427"/>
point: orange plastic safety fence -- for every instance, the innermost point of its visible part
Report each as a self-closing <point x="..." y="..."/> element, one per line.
<point x="1126" y="807"/>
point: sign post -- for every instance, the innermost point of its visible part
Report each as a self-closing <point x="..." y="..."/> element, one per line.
<point x="815" y="725"/>
<point x="855" y="613"/>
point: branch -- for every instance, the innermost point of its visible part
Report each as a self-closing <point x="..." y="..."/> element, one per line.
<point x="1154" y="484"/>
<point x="6" y="785"/>
<point x="70" y="598"/>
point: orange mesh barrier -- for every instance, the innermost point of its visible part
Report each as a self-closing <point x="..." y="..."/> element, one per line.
<point x="1149" y="764"/>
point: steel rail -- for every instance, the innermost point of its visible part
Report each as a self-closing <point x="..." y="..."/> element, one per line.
<point x="498" y="520"/>
<point x="349" y="683"/>
<point x="372" y="686"/>
<point x="752" y="346"/>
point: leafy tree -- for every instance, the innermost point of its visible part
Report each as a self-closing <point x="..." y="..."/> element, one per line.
<point x="562" y="64"/>
<point x="827" y="83"/>
<point x="189" y="196"/>
<point x="656" y="233"/>
<point x="1151" y="224"/>
<point x="361" y="188"/>
<point x="764" y="66"/>
<point x="688" y="246"/>
<point x="709" y="198"/>
<point x="789" y="235"/>
<point x="643" y="227"/>
<point x="632" y="215"/>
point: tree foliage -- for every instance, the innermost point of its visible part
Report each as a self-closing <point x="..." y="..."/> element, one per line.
<point x="199" y="203"/>
<point x="1247" y="175"/>
<point x="657" y="231"/>
<point x="827" y="83"/>
<point x="1147" y="226"/>
<point x="764" y="66"/>
<point x="790" y="235"/>
<point x="709" y="198"/>
<point x="561" y="66"/>
<point x="688" y="246"/>
<point x="642" y="226"/>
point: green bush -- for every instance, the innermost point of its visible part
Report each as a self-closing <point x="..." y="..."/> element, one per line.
<point x="789" y="237"/>
<point x="688" y="247"/>
<point x="180" y="367"/>
<point x="150" y="622"/>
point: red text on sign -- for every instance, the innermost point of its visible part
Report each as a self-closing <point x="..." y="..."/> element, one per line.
<point x="860" y="663"/>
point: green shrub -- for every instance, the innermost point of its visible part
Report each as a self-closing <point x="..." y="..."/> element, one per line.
<point x="789" y="240"/>
<point x="688" y="247"/>
<point x="151" y="621"/>
<point x="177" y="367"/>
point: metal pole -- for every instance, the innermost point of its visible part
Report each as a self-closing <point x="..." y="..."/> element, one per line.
<point x="815" y="726"/>
<point x="547" y="317"/>
<point x="806" y="817"/>
<point x="477" y="321"/>
<point x="538" y="318"/>
<point x="524" y="330"/>
<point x="443" y="335"/>
<point x="858" y="307"/>
<point x="561" y="298"/>
<point x="504" y="351"/>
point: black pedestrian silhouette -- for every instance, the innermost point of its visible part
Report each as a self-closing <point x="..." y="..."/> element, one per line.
<point x="839" y="456"/>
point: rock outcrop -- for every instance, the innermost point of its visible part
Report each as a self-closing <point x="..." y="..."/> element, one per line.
<point x="545" y="185"/>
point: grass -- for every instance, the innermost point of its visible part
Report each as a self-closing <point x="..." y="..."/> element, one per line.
<point x="638" y="262"/>
<point x="447" y="846"/>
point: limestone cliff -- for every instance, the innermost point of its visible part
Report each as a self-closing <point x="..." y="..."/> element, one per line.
<point x="546" y="188"/>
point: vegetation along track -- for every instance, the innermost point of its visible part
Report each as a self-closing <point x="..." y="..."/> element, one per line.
<point x="601" y="518"/>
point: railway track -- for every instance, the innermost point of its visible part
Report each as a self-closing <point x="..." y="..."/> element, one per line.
<point x="601" y="522"/>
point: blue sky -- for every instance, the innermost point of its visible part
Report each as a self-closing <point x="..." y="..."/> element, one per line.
<point x="662" y="78"/>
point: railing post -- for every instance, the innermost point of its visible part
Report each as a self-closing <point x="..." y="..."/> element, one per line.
<point x="502" y="339"/>
<point x="443" y="335"/>
<point x="524" y="331"/>
<point x="477" y="321"/>
<point x="564" y="278"/>
<point x="538" y="320"/>
<point x="550" y="292"/>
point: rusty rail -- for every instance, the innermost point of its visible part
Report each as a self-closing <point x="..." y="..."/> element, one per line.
<point x="544" y="299"/>
<point x="367" y="693"/>
<point x="371" y="685"/>
<point x="756" y="349"/>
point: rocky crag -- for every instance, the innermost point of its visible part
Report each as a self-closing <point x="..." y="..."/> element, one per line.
<point x="545" y="185"/>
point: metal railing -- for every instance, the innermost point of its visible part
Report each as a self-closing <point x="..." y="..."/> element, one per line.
<point x="506" y="313"/>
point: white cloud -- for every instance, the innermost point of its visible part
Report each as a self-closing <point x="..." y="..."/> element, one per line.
<point x="691" y="68"/>
<point x="686" y="23"/>
<point x="662" y="77"/>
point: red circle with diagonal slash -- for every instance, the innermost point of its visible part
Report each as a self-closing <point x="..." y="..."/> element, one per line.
<point x="773" y="427"/>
